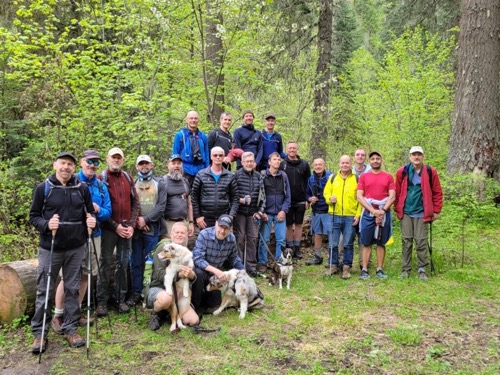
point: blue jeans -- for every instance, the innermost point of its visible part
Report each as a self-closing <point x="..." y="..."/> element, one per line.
<point x="342" y="224"/>
<point x="265" y="234"/>
<point x="141" y="248"/>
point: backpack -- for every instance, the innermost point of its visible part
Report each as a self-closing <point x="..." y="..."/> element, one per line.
<point x="49" y="186"/>
<point x="104" y="179"/>
<point x="429" y="172"/>
<point x="332" y="176"/>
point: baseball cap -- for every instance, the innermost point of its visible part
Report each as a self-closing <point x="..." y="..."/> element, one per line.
<point x="174" y="157"/>
<point x="116" y="151"/>
<point x="143" y="158"/>
<point x="91" y="154"/>
<point x="374" y="153"/>
<point x="66" y="154"/>
<point x="270" y="115"/>
<point x="416" y="149"/>
<point x="225" y="220"/>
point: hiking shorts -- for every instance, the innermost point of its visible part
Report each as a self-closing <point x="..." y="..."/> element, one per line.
<point x="153" y="292"/>
<point x="295" y="214"/>
<point x="367" y="229"/>
<point x="321" y="223"/>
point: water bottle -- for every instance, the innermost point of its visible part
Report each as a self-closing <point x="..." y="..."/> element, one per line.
<point x="148" y="269"/>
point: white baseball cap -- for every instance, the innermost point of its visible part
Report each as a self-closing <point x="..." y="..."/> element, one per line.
<point x="143" y="158"/>
<point x="416" y="149"/>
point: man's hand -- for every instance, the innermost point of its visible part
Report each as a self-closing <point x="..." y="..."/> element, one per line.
<point x="191" y="229"/>
<point x="333" y="199"/>
<point x="91" y="221"/>
<point x="281" y="216"/>
<point x="313" y="200"/>
<point x="220" y="275"/>
<point x="264" y="217"/>
<point x="200" y="221"/>
<point x="355" y="221"/>
<point x="186" y="272"/>
<point x="97" y="208"/>
<point x="124" y="232"/>
<point x="435" y="217"/>
<point x="54" y="222"/>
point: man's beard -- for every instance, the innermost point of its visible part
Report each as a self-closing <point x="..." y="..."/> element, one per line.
<point x="175" y="175"/>
<point x="376" y="168"/>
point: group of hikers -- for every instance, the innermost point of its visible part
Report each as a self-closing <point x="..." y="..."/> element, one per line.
<point x="90" y="221"/>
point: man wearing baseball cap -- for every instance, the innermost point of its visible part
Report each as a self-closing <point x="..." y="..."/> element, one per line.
<point x="419" y="200"/>
<point x="152" y="197"/>
<point x="376" y="193"/>
<point x="215" y="247"/>
<point x="271" y="141"/>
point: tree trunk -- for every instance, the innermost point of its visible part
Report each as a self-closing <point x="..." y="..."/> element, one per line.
<point x="321" y="118"/>
<point x="474" y="143"/>
<point x="17" y="289"/>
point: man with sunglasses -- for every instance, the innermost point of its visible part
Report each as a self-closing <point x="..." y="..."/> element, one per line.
<point x="215" y="192"/>
<point x="152" y="195"/>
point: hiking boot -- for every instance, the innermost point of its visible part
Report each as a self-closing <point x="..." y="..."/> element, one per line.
<point x="404" y="275"/>
<point x="422" y="276"/>
<point x="134" y="300"/>
<point x="123" y="308"/>
<point x="381" y="275"/>
<point x="315" y="260"/>
<point x="101" y="311"/>
<point x="297" y="253"/>
<point x="364" y="275"/>
<point x="35" y="347"/>
<point x="154" y="321"/>
<point x="346" y="272"/>
<point x="74" y="340"/>
<point x="57" y="322"/>
<point x="261" y="268"/>
<point x="83" y="322"/>
<point x="332" y="271"/>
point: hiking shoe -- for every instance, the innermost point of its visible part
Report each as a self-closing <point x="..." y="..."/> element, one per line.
<point x="364" y="275"/>
<point x="83" y="322"/>
<point x="346" y="272"/>
<point x="332" y="271"/>
<point x="315" y="260"/>
<point x="154" y="321"/>
<point x="123" y="308"/>
<point x="297" y="254"/>
<point x="134" y="300"/>
<point x="57" y="322"/>
<point x="422" y="276"/>
<point x="261" y="268"/>
<point x="381" y="275"/>
<point x="253" y="273"/>
<point x="35" y="347"/>
<point x="74" y="340"/>
<point x="404" y="275"/>
<point x="101" y="311"/>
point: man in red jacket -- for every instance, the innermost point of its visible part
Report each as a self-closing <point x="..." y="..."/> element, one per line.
<point x="419" y="199"/>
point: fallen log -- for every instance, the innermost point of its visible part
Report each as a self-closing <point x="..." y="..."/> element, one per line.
<point x="17" y="289"/>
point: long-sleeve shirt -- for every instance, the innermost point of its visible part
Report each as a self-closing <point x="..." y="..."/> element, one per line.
<point x="209" y="251"/>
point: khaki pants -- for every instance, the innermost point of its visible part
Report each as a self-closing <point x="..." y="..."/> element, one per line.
<point x="414" y="230"/>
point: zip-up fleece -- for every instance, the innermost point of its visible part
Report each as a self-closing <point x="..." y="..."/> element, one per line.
<point x="277" y="192"/>
<point x="345" y="191"/>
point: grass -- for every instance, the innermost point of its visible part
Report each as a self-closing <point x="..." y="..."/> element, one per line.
<point x="449" y="325"/>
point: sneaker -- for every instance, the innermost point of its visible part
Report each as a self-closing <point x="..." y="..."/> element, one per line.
<point x="297" y="253"/>
<point x="35" y="347"/>
<point x="315" y="260"/>
<point x="332" y="271"/>
<point x="154" y="321"/>
<point x="57" y="322"/>
<point x="261" y="268"/>
<point x="101" y="311"/>
<point x="346" y="272"/>
<point x="404" y="275"/>
<point x="381" y="275"/>
<point x="134" y="300"/>
<point x="123" y="308"/>
<point x="364" y="275"/>
<point x="423" y="276"/>
<point x="74" y="340"/>
<point x="83" y="322"/>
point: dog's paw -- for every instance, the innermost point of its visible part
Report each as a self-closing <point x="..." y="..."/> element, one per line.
<point x="217" y="312"/>
<point x="180" y="325"/>
<point x="242" y="315"/>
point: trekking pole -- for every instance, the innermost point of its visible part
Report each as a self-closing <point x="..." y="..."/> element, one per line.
<point x="330" y="243"/>
<point x="47" y="294"/>
<point x="430" y="248"/>
<point x="95" y="299"/>
<point x="89" y="289"/>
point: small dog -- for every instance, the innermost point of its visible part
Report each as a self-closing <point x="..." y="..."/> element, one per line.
<point x="177" y="255"/>
<point x="239" y="290"/>
<point x="283" y="268"/>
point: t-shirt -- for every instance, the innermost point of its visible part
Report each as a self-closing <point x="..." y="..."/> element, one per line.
<point x="376" y="186"/>
<point x="177" y="200"/>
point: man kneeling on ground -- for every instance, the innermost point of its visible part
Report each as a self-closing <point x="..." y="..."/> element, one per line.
<point x="157" y="297"/>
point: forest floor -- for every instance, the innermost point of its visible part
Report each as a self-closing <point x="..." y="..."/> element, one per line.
<point x="322" y="325"/>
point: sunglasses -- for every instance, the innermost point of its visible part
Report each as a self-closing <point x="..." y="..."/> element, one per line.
<point x="95" y="163"/>
<point x="218" y="155"/>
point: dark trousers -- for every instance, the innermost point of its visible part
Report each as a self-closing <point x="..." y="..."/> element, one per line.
<point x="200" y="298"/>
<point x="246" y="231"/>
<point x="71" y="263"/>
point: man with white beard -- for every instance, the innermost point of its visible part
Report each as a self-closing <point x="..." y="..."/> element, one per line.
<point x="178" y="206"/>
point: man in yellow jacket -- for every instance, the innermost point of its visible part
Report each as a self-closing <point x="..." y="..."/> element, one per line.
<point x="340" y="194"/>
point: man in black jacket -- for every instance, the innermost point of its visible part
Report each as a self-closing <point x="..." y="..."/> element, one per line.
<point x="298" y="172"/>
<point x="61" y="207"/>
<point x="252" y="203"/>
<point x="214" y="192"/>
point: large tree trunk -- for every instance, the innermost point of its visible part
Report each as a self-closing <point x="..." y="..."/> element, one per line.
<point x="474" y="144"/>
<point x="319" y="133"/>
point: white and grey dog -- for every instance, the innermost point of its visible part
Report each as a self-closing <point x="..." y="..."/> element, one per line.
<point x="239" y="290"/>
<point x="285" y="264"/>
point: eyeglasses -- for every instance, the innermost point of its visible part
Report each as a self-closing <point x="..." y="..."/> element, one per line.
<point x="93" y="162"/>
<point x="218" y="155"/>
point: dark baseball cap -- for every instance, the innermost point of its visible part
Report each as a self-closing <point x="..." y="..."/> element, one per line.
<point x="225" y="221"/>
<point x="66" y="154"/>
<point x="91" y="154"/>
<point x="374" y="153"/>
<point x="175" y="157"/>
<point x="270" y="115"/>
